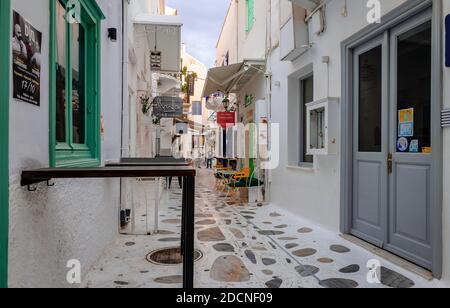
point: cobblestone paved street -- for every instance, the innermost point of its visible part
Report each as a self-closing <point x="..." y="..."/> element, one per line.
<point x="244" y="246"/>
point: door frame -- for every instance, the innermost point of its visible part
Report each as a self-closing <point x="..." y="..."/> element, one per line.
<point x="5" y="22"/>
<point x="397" y="16"/>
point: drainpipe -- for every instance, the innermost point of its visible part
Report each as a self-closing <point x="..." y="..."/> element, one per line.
<point x="269" y="51"/>
<point x="237" y="31"/>
<point x="125" y="4"/>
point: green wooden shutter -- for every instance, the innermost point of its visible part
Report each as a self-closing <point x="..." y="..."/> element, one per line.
<point x="250" y="14"/>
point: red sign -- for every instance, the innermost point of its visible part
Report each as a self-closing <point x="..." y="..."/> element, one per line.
<point x="226" y="119"/>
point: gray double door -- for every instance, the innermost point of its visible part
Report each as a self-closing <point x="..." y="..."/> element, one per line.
<point x="392" y="152"/>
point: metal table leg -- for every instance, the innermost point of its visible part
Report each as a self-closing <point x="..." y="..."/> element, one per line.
<point x="183" y="215"/>
<point x="189" y="231"/>
<point x="157" y="204"/>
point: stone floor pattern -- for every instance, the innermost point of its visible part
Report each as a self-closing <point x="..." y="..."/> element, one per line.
<point x="243" y="247"/>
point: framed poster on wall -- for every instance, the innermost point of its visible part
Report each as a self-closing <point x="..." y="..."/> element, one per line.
<point x="26" y="52"/>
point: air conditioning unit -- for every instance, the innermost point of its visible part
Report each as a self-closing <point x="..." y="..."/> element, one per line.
<point x="294" y="36"/>
<point x="309" y="5"/>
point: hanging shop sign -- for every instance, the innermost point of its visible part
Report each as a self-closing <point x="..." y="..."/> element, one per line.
<point x="167" y="107"/>
<point x="26" y="51"/>
<point x="155" y="60"/>
<point x="190" y="81"/>
<point x="226" y="119"/>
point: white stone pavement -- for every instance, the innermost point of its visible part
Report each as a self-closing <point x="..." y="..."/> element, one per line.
<point x="243" y="247"/>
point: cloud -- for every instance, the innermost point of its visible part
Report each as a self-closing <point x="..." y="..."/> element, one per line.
<point x="202" y="23"/>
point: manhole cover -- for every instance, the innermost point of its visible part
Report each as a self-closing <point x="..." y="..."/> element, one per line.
<point x="170" y="256"/>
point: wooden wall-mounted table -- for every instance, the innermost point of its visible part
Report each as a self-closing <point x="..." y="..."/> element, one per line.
<point x="31" y="177"/>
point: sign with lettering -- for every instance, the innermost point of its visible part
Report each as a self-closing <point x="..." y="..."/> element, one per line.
<point x="190" y="81"/>
<point x="167" y="107"/>
<point x="26" y="51"/>
<point x="226" y="119"/>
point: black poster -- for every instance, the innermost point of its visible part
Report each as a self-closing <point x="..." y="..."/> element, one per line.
<point x="26" y="50"/>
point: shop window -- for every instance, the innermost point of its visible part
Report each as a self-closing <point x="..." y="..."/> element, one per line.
<point x="250" y="14"/>
<point x="74" y="88"/>
<point x="414" y="90"/>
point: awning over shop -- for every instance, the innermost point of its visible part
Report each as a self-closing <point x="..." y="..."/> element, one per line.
<point x="231" y="78"/>
<point x="167" y="85"/>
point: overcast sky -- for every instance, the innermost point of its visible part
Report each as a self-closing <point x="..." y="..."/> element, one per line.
<point x="202" y="22"/>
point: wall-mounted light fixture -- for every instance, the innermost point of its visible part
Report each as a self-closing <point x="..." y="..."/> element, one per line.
<point x="112" y="34"/>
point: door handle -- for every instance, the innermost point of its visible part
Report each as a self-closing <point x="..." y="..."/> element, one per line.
<point x="390" y="162"/>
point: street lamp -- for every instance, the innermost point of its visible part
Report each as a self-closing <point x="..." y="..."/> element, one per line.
<point x="226" y="103"/>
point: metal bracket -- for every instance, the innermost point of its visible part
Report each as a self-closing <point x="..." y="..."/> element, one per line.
<point x="31" y="188"/>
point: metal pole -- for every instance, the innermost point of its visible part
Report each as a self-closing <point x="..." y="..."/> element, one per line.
<point x="189" y="230"/>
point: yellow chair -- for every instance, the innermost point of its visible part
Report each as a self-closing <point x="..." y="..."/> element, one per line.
<point x="238" y="176"/>
<point x="220" y="179"/>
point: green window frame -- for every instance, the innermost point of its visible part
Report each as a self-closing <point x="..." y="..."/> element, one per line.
<point x="75" y="83"/>
<point x="5" y="56"/>
<point x="250" y="14"/>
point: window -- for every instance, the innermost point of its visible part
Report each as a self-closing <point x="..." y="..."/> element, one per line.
<point x="414" y="88"/>
<point x="250" y="14"/>
<point x="74" y="86"/>
<point x="370" y="100"/>
<point x="226" y="61"/>
<point x="197" y="109"/>
<point x="306" y="97"/>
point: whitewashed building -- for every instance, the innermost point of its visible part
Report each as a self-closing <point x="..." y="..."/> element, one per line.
<point x="357" y="88"/>
<point x="59" y="55"/>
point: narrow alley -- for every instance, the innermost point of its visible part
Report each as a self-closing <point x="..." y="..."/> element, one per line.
<point x="268" y="144"/>
<point x="242" y="246"/>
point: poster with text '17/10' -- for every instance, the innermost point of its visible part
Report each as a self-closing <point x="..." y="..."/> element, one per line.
<point x="26" y="50"/>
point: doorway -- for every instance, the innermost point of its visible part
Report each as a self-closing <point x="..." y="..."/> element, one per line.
<point x="5" y="13"/>
<point x="395" y="159"/>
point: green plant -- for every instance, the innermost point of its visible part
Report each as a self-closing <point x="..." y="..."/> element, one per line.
<point x="184" y="88"/>
<point x="156" y="120"/>
<point x="185" y="73"/>
<point x="145" y="103"/>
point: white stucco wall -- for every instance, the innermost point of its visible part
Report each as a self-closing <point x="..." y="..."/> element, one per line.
<point x="227" y="42"/>
<point x="252" y="44"/>
<point x="234" y="38"/>
<point x="314" y="193"/>
<point x="76" y="219"/>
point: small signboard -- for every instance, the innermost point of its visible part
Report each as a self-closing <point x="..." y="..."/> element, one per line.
<point x="190" y="80"/>
<point x="226" y="119"/>
<point x="167" y="107"/>
<point x="26" y="50"/>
